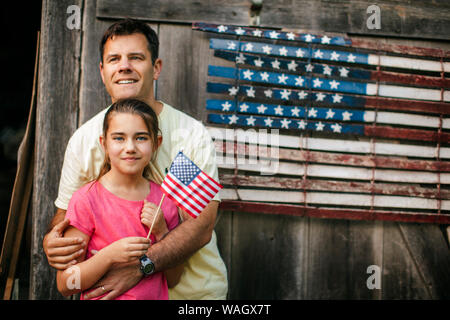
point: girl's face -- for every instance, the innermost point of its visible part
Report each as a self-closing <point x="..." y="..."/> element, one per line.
<point x="128" y="143"/>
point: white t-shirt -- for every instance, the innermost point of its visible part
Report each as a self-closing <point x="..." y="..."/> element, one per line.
<point x="205" y="275"/>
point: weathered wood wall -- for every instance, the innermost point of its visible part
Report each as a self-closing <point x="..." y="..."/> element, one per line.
<point x="268" y="256"/>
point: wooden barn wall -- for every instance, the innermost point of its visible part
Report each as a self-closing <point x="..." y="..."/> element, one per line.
<point x="267" y="256"/>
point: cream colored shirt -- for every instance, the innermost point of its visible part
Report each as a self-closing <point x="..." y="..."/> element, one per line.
<point x="205" y="275"/>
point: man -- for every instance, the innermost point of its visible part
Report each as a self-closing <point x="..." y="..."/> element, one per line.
<point x="129" y="66"/>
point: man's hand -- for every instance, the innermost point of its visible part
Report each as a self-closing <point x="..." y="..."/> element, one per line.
<point x="62" y="252"/>
<point x="117" y="281"/>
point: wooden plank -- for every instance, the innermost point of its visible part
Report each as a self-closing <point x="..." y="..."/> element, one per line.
<point x="57" y="113"/>
<point x="411" y="20"/>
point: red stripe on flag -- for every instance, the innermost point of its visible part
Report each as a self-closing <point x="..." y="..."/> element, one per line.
<point x="218" y="185"/>
<point x="184" y="194"/>
<point x="199" y="193"/>
<point x="171" y="193"/>
<point x="190" y="212"/>
<point x="201" y="187"/>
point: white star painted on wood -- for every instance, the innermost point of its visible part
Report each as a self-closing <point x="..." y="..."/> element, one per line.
<point x="295" y="112"/>
<point x="299" y="53"/>
<point x="301" y="124"/>
<point x="222" y="28"/>
<point x="264" y="76"/>
<point x="320" y="96"/>
<point x="275" y="64"/>
<point x="239" y="31"/>
<point x="233" y="91"/>
<point x="336" y="127"/>
<point x="325" y="40"/>
<point x="243" y="107"/>
<point x="267" y="49"/>
<point x="351" y="58"/>
<point x="337" y="98"/>
<point x="278" y="110"/>
<point x="251" y="92"/>
<point x="251" y="121"/>
<point x="327" y="70"/>
<point x="282" y="79"/>
<point x="285" y="123"/>
<point x="261" y="108"/>
<point x="334" y="84"/>
<point x="226" y="106"/>
<point x="309" y="67"/>
<point x="268" y="122"/>
<point x="302" y="95"/>
<point x="268" y="93"/>
<point x="318" y="54"/>
<point x="299" y="81"/>
<point x="290" y="36"/>
<point x="330" y="114"/>
<point x="231" y="45"/>
<point x="274" y="34"/>
<point x="248" y="47"/>
<point x="283" y="51"/>
<point x="258" y="62"/>
<point x="346" y="115"/>
<point x="334" y="56"/>
<point x="319" y="126"/>
<point x="257" y="33"/>
<point x="233" y="119"/>
<point x="343" y="72"/>
<point x="285" y="94"/>
<point x="317" y="83"/>
<point x="248" y="74"/>
<point x="240" y="58"/>
<point x="309" y="38"/>
<point x="312" y="113"/>
<point x="292" y="65"/>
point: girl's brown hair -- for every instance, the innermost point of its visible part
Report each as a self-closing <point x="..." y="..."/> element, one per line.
<point x="140" y="108"/>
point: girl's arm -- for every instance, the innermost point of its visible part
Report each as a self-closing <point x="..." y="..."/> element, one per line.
<point x="86" y="273"/>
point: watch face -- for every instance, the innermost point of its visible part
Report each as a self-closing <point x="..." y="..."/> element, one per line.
<point x="148" y="268"/>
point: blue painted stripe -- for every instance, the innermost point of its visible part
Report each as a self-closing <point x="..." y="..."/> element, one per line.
<point x="284" y="123"/>
<point x="289" y="51"/>
<point x="317" y="83"/>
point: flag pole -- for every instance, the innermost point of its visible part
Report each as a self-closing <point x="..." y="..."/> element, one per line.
<point x="156" y="215"/>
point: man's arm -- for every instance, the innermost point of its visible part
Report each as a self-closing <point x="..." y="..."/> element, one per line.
<point x="61" y="252"/>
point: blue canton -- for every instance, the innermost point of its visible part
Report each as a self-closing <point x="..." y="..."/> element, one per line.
<point x="184" y="169"/>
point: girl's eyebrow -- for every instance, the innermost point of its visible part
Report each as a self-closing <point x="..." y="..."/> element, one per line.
<point x="136" y="133"/>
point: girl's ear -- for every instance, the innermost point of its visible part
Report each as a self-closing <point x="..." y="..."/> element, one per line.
<point x="102" y="142"/>
<point x="159" y="139"/>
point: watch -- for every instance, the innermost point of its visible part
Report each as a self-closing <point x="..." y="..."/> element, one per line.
<point x="147" y="266"/>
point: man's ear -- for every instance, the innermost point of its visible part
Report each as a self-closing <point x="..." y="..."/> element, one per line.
<point x="157" y="67"/>
<point x="101" y="71"/>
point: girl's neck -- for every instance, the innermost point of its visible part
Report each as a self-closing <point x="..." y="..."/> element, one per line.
<point x="129" y="187"/>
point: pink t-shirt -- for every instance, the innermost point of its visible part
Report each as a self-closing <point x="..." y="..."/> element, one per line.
<point x="106" y="218"/>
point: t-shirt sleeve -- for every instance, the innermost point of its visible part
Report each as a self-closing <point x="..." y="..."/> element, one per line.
<point x="80" y="213"/>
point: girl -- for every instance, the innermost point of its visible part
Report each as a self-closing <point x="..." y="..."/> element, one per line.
<point x="113" y="213"/>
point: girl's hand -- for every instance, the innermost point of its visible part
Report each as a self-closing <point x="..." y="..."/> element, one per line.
<point x="147" y="217"/>
<point x="127" y="249"/>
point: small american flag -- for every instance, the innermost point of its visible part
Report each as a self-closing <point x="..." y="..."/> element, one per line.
<point x="188" y="186"/>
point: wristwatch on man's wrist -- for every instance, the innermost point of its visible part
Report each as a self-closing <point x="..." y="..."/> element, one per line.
<point x="147" y="266"/>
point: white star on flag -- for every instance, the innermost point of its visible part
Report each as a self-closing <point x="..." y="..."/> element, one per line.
<point x="264" y="76"/>
<point x="343" y="72"/>
<point x="309" y="67"/>
<point x="222" y="28"/>
<point x="285" y="94"/>
<point x="226" y="106"/>
<point x="330" y="114"/>
<point x="285" y="123"/>
<point x="239" y="31"/>
<point x="258" y="62"/>
<point x="312" y="113"/>
<point x="327" y="70"/>
<point x="337" y="98"/>
<point x="278" y="110"/>
<point x="275" y="64"/>
<point x="282" y="79"/>
<point x="267" y="49"/>
<point x="251" y="121"/>
<point x="309" y="38"/>
<point x="295" y="112"/>
<point x="292" y="66"/>
<point x="299" y="81"/>
<point x="274" y="34"/>
<point x="268" y="122"/>
<point x="283" y="51"/>
<point x="319" y="126"/>
<point x="351" y="58"/>
<point x="233" y="91"/>
<point x="318" y="54"/>
<point x="248" y="47"/>
<point x="336" y="127"/>
<point x="334" y="84"/>
<point x="301" y="124"/>
<point x="268" y="93"/>
<point x="290" y="36"/>
<point x="243" y="107"/>
<point x="257" y="33"/>
<point x="302" y="95"/>
<point x="299" y="53"/>
<point x="334" y="56"/>
<point x="248" y="74"/>
<point x="317" y="82"/>
<point x="240" y="58"/>
<point x="325" y="40"/>
<point x="251" y="92"/>
<point x="231" y="45"/>
<point x="346" y="115"/>
<point x="262" y="108"/>
<point x="320" y="96"/>
<point x="233" y="119"/>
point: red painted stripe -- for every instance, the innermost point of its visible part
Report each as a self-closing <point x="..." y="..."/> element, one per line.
<point x="418" y="80"/>
<point x="408" y="105"/>
<point x="406" y="134"/>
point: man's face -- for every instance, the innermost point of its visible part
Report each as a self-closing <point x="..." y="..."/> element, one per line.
<point x="127" y="70"/>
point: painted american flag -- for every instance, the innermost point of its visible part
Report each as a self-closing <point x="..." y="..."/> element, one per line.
<point x="364" y="127"/>
<point x="188" y="186"/>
